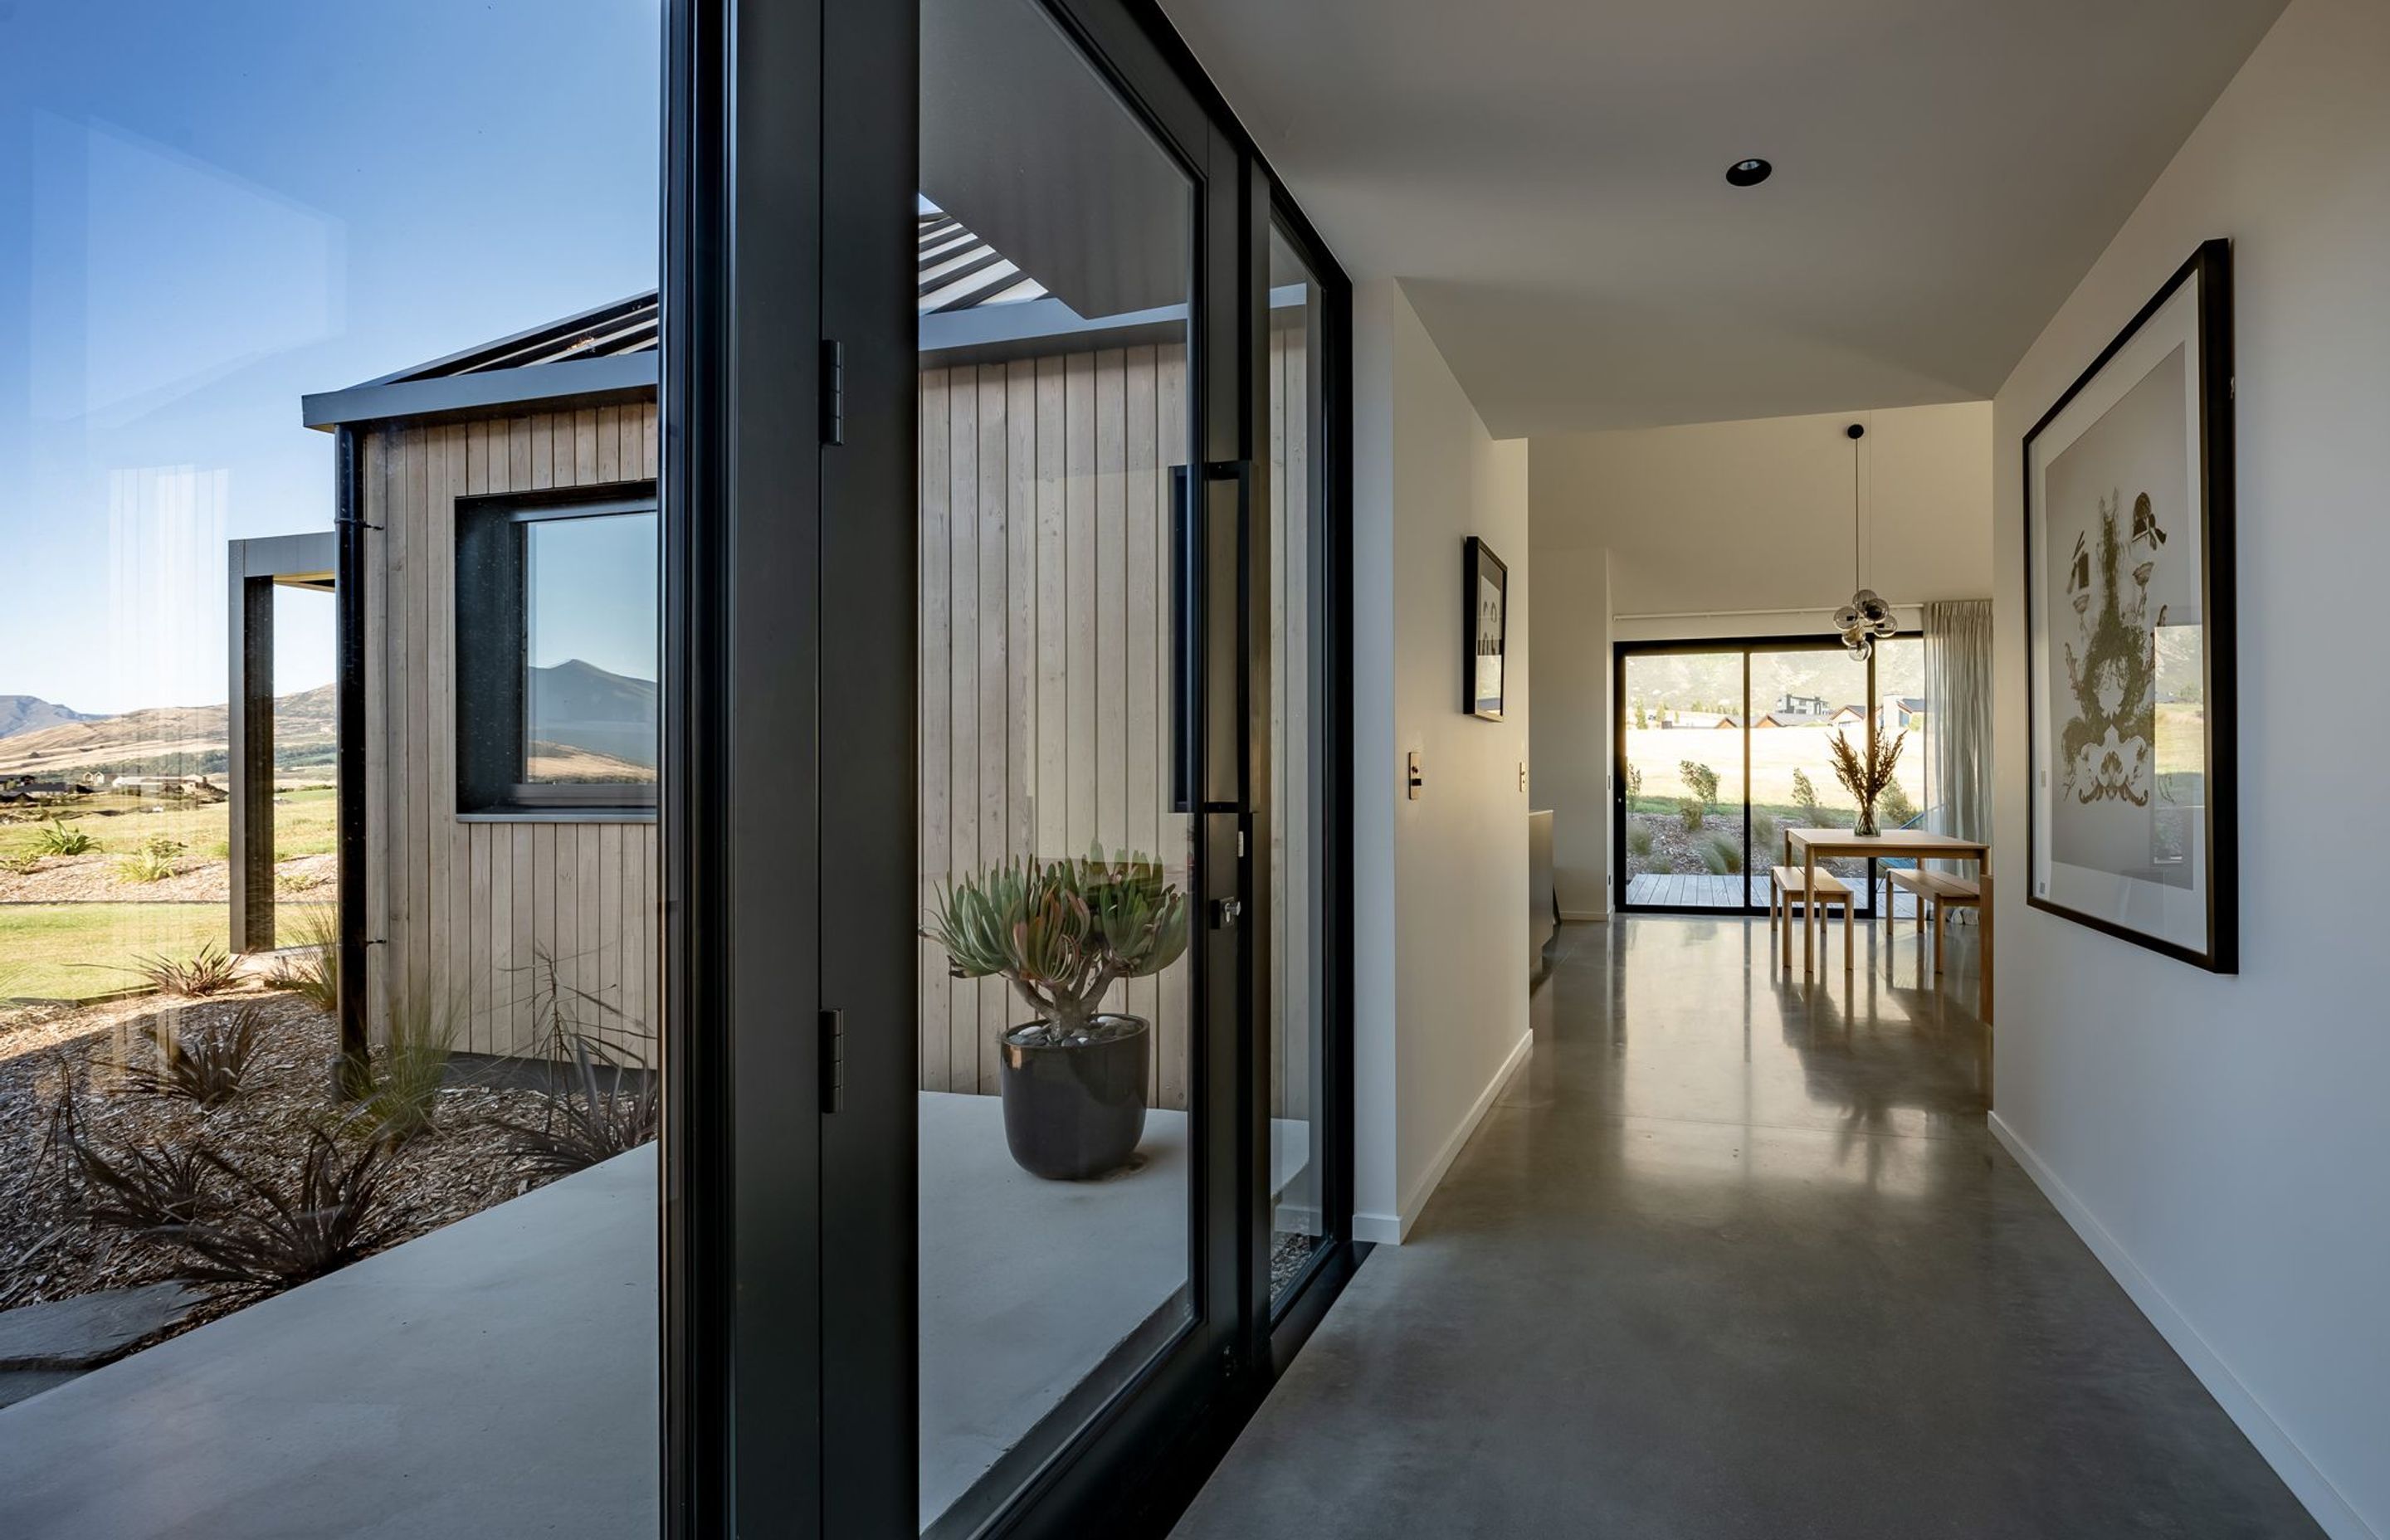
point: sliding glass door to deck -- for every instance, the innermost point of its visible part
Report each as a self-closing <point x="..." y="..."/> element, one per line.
<point x="1723" y="746"/>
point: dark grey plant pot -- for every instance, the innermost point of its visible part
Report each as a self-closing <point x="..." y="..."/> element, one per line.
<point x="1073" y="1114"/>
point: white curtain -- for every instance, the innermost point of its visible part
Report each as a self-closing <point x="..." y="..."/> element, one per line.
<point x="1959" y="715"/>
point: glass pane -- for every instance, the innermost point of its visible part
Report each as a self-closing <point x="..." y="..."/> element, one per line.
<point x="1801" y="701"/>
<point x="216" y="223"/>
<point x="1684" y="783"/>
<point x="589" y="651"/>
<point x="1901" y="708"/>
<point x="1056" y="244"/>
<point x="1298" y="1155"/>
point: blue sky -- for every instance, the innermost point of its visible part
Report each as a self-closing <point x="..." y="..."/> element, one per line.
<point x="206" y="211"/>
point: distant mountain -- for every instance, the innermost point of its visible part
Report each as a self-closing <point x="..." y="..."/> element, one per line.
<point x="27" y="713"/>
<point x="582" y="706"/>
<point x="167" y="739"/>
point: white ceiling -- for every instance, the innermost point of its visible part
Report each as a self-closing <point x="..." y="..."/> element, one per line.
<point x="1547" y="178"/>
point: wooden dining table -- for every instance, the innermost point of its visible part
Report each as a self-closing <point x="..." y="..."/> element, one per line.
<point x="1906" y="843"/>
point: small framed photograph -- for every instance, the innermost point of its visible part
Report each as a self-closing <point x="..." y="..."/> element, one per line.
<point x="2134" y="826"/>
<point x="1485" y="629"/>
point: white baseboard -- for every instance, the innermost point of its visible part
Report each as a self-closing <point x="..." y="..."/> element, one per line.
<point x="2309" y="1485"/>
<point x="1389" y="1229"/>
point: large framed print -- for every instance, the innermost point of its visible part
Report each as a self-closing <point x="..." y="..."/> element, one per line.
<point x="2133" y="827"/>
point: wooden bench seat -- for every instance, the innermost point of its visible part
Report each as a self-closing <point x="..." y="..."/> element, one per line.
<point x="1938" y="892"/>
<point x="1787" y="884"/>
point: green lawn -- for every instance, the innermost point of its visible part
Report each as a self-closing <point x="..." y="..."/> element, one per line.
<point x="75" y="951"/>
<point x="303" y="825"/>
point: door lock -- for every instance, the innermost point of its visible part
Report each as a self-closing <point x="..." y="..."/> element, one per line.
<point x="1225" y="913"/>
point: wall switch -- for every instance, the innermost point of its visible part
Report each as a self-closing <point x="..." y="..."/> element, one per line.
<point x="1411" y="774"/>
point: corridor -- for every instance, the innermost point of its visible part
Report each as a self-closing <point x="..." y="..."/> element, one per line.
<point x="1734" y="1257"/>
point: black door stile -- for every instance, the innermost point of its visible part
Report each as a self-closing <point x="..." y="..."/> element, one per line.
<point x="742" y="1237"/>
<point x="867" y="773"/>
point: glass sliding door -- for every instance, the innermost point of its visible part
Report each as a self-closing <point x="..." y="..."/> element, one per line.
<point x="330" y="739"/>
<point x="1074" y="901"/>
<point x="1061" y="509"/>
<point x="1680" y="778"/>
<point x="1723" y="746"/>
<point x="1803" y="699"/>
<point x="1297" y="846"/>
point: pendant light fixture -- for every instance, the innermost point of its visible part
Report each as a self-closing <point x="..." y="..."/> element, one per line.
<point x="1866" y="617"/>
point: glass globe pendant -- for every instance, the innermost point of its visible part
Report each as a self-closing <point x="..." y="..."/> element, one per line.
<point x="1866" y="616"/>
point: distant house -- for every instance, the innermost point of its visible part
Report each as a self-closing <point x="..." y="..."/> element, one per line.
<point x="1698" y="719"/>
<point x="43" y="791"/>
<point x="1847" y="717"/>
<point x="166" y="786"/>
<point x="1789" y="706"/>
<point x="1897" y="712"/>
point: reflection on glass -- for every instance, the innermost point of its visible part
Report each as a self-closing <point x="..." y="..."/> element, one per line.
<point x="1296" y="1066"/>
<point x="1684" y="841"/>
<point x="589" y="651"/>
<point x="1055" y="261"/>
<point x="210" y="214"/>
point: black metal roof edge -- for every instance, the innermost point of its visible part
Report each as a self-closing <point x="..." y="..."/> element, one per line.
<point x="574" y="381"/>
<point x="465" y="359"/>
<point x="570" y="381"/>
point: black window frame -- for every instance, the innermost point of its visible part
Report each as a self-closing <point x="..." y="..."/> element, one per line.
<point x="491" y="648"/>
<point x="1753" y="860"/>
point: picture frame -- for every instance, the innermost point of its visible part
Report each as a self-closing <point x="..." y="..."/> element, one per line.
<point x="2133" y="826"/>
<point x="1485" y="630"/>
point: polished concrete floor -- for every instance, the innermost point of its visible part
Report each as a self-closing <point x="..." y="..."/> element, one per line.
<point x="1734" y="1255"/>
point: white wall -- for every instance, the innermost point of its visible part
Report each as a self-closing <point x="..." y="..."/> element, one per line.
<point x="1441" y="883"/>
<point x="2222" y="1142"/>
<point x="1726" y="529"/>
<point x="1744" y="528"/>
<point x="1569" y="770"/>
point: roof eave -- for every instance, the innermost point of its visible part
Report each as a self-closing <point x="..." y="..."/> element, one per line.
<point x="549" y="386"/>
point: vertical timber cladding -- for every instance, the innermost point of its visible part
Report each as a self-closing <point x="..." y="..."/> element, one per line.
<point x="464" y="907"/>
<point x="1045" y="691"/>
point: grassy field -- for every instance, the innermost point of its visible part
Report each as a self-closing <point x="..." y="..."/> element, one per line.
<point x="75" y="951"/>
<point x="302" y="825"/>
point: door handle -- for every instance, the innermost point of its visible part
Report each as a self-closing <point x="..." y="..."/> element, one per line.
<point x="1225" y="913"/>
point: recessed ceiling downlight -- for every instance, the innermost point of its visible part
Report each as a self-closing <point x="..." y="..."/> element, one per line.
<point x="1748" y="174"/>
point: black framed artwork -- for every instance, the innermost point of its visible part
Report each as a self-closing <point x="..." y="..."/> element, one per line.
<point x="2133" y="827"/>
<point x="1484" y="629"/>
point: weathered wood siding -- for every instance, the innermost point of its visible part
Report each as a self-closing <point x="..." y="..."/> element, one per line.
<point x="1045" y="700"/>
<point x="1045" y="667"/>
<point x="1044" y="684"/>
<point x="464" y="907"/>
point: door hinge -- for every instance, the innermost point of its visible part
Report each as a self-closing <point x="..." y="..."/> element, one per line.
<point x="833" y="1061"/>
<point x="833" y="392"/>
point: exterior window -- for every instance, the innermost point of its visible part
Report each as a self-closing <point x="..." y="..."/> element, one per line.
<point x="556" y="653"/>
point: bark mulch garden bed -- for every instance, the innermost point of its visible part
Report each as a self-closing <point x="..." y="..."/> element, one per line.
<point x="50" y="1250"/>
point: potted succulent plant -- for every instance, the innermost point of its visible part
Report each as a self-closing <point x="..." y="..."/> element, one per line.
<point x="1866" y="773"/>
<point x="1061" y="933"/>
